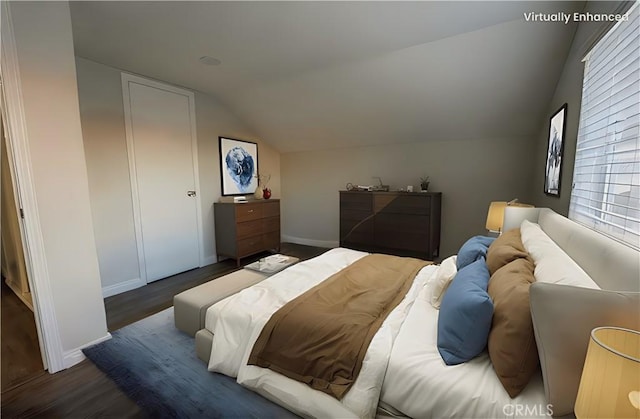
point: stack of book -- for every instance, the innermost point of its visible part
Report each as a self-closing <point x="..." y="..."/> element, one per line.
<point x="233" y="199"/>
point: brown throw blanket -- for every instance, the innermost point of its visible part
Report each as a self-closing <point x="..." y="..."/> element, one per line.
<point x="321" y="337"/>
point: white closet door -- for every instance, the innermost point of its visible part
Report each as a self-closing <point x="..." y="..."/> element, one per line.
<point x="161" y="141"/>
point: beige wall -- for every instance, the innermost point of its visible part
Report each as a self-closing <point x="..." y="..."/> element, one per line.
<point x="212" y="121"/>
<point x="569" y="91"/>
<point x="59" y="172"/>
<point x="470" y="174"/>
<point x="102" y="115"/>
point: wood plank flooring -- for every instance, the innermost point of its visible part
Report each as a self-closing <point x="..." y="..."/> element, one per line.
<point x="83" y="390"/>
<point x="21" y="358"/>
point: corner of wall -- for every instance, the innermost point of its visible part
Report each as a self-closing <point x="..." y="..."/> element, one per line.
<point x="569" y="91"/>
<point x="121" y="287"/>
<point x="75" y="356"/>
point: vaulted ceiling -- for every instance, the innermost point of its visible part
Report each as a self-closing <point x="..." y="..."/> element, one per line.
<point x="313" y="75"/>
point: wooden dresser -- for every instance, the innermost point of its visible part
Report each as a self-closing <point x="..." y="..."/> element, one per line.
<point x="399" y="223"/>
<point x="246" y="229"/>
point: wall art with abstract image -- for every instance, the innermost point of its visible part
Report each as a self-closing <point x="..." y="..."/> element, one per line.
<point x="555" y="150"/>
<point x="238" y="166"/>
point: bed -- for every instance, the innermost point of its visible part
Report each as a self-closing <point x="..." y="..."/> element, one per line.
<point x="403" y="373"/>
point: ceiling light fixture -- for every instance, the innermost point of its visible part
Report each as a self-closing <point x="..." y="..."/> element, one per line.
<point x="205" y="59"/>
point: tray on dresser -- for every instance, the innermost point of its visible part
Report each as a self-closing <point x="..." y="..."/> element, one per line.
<point x="272" y="264"/>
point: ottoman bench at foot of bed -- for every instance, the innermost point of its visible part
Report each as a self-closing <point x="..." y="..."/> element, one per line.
<point x="204" y="340"/>
<point x="190" y="307"/>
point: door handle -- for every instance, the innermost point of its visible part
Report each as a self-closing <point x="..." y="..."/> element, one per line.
<point x="191" y="193"/>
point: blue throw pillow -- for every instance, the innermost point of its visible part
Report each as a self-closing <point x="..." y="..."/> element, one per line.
<point x="465" y="315"/>
<point x="473" y="249"/>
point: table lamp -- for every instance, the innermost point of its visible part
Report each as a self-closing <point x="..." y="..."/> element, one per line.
<point x="495" y="216"/>
<point x="610" y="383"/>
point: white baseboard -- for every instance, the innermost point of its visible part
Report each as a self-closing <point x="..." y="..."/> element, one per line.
<point x="121" y="287"/>
<point x="310" y="242"/>
<point x="75" y="356"/>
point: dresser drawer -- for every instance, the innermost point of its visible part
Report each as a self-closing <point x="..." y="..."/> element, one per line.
<point x="247" y="212"/>
<point x="271" y="240"/>
<point x="251" y="245"/>
<point x="356" y="226"/>
<point x="409" y="232"/>
<point x="249" y="228"/>
<point x="270" y="224"/>
<point x="271" y="209"/>
<point x="403" y="204"/>
<point x="362" y="201"/>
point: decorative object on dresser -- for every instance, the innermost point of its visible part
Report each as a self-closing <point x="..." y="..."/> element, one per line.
<point x="424" y="184"/>
<point x="375" y="188"/>
<point x="245" y="229"/>
<point x="238" y="166"/>
<point x="380" y="187"/>
<point x="261" y="189"/>
<point x="399" y="223"/>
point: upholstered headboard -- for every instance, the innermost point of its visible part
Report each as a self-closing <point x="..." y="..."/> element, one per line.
<point x="563" y="316"/>
<point x="611" y="264"/>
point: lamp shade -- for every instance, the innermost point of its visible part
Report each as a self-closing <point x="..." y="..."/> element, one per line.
<point x="495" y="216"/>
<point x="610" y="383"/>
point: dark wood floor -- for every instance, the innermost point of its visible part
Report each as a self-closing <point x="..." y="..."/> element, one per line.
<point x="21" y="358"/>
<point x="83" y="390"/>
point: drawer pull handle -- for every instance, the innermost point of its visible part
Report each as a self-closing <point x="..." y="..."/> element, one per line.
<point x="250" y="211"/>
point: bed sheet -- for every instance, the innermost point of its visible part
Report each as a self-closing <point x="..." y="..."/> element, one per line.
<point x="237" y="321"/>
<point x="231" y="320"/>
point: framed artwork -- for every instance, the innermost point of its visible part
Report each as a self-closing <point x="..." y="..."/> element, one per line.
<point x="238" y="166"/>
<point x="555" y="149"/>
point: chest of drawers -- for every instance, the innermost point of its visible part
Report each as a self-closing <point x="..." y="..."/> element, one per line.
<point x="246" y="229"/>
<point x="400" y="223"/>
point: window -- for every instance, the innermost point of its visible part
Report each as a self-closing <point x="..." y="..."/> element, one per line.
<point x="606" y="178"/>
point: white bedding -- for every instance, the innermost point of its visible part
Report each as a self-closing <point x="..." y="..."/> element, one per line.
<point x="232" y="320"/>
<point x="237" y="321"/>
<point x="402" y="368"/>
<point x="420" y="385"/>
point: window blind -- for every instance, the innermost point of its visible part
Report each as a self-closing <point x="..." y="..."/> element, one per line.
<point x="606" y="179"/>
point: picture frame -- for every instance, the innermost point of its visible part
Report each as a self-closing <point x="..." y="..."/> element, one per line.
<point x="555" y="151"/>
<point x="238" y="166"/>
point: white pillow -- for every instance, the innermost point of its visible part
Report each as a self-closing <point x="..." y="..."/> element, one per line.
<point x="553" y="265"/>
<point x="434" y="289"/>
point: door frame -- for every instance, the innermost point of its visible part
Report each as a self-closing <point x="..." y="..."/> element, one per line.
<point x="53" y="355"/>
<point x="14" y="193"/>
<point x="127" y="79"/>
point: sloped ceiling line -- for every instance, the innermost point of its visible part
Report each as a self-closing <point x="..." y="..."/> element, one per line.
<point x="313" y="75"/>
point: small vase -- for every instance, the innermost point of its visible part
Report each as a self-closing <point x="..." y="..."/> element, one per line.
<point x="424" y="187"/>
<point x="258" y="193"/>
<point x="266" y="193"/>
